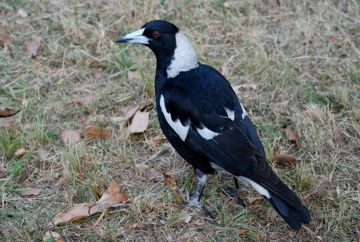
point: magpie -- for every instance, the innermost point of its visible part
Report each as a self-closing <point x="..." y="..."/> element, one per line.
<point x="202" y="118"/>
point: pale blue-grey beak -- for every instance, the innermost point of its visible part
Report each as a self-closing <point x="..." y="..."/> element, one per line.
<point x="136" y="37"/>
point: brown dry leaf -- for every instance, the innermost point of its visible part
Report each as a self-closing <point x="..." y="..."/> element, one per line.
<point x="52" y="236"/>
<point x="134" y="76"/>
<point x="139" y="122"/>
<point x="77" y="212"/>
<point x="111" y="198"/>
<point x="70" y="137"/>
<point x="285" y="159"/>
<point x="93" y="132"/>
<point x="171" y="183"/>
<point x="4" y="37"/>
<point x="293" y="136"/>
<point x="86" y="100"/>
<point x="7" y="112"/>
<point x="32" y="46"/>
<point x="241" y="231"/>
<point x="253" y="200"/>
<point x="20" y="152"/>
<point x="7" y="123"/>
<point x="332" y="39"/>
<point x="319" y="190"/>
<point x="30" y="192"/>
<point x="130" y="113"/>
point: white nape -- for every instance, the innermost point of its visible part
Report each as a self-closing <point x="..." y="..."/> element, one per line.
<point x="184" y="58"/>
<point x="230" y="114"/>
<point x="137" y="37"/>
<point x="244" y="113"/>
<point x="206" y="133"/>
<point x="177" y="126"/>
<point x="260" y="189"/>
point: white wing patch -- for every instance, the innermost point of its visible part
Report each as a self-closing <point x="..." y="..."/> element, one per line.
<point x="177" y="126"/>
<point x="206" y="133"/>
<point x="260" y="189"/>
<point x="184" y="58"/>
<point x="230" y="114"/>
<point x="244" y="113"/>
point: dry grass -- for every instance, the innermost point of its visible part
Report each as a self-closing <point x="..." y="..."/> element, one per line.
<point x="303" y="56"/>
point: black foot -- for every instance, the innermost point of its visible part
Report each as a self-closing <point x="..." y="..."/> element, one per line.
<point x="194" y="202"/>
<point x="234" y="194"/>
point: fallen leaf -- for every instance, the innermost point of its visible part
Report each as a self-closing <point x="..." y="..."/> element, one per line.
<point x="30" y="192"/>
<point x="93" y="132"/>
<point x="293" y="136"/>
<point x="20" y="152"/>
<point x="130" y="113"/>
<point x="52" y="236"/>
<point x="4" y="37"/>
<point x="7" y="123"/>
<point x="171" y="183"/>
<point x="111" y="198"/>
<point x="139" y="122"/>
<point x="332" y="39"/>
<point x="7" y="111"/>
<point x="21" y="13"/>
<point x="70" y="137"/>
<point x="253" y="200"/>
<point x="134" y="76"/>
<point x="85" y="100"/>
<point x="241" y="231"/>
<point x="285" y="159"/>
<point x="320" y="190"/>
<point x="32" y="46"/>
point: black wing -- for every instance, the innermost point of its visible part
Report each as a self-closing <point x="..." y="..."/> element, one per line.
<point x="202" y="97"/>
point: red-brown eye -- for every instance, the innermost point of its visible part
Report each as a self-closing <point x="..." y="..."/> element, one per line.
<point x="155" y="34"/>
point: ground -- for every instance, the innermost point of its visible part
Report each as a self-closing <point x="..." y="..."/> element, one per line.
<point x="294" y="64"/>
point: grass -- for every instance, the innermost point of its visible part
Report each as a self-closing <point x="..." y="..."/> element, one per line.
<point x="303" y="57"/>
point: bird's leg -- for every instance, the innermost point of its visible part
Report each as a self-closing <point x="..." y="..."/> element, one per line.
<point x="199" y="188"/>
<point x="234" y="192"/>
<point x="194" y="199"/>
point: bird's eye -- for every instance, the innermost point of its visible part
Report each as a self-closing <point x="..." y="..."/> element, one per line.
<point x="155" y="34"/>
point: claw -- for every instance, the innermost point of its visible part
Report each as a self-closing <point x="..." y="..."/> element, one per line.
<point x="233" y="193"/>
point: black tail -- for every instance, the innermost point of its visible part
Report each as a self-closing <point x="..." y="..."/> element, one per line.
<point x="293" y="215"/>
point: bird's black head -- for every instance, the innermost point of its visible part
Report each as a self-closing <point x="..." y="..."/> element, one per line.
<point x="158" y="35"/>
<point x="174" y="52"/>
